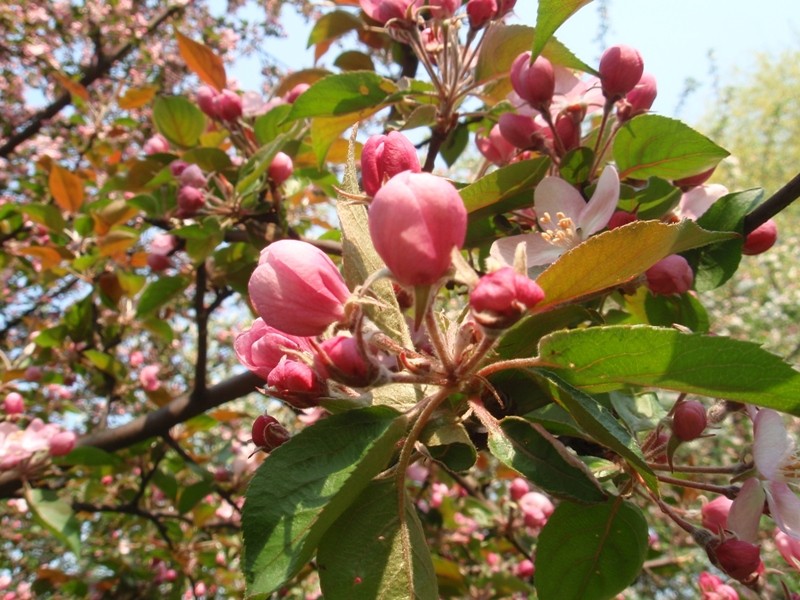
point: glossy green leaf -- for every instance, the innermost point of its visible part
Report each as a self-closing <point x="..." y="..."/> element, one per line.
<point x="602" y="359"/>
<point x="551" y="14"/>
<point x="201" y="238"/>
<point x="178" y="120"/>
<point x="450" y="445"/>
<point x="353" y="60"/>
<point x="333" y="25"/>
<point x="51" y="337"/>
<point x="576" y="166"/>
<point x="369" y="553"/>
<point x="653" y="145"/>
<point x="455" y="144"/>
<point x="158" y="293"/>
<point x="191" y="495"/>
<point x="503" y="183"/>
<point x="613" y="257"/>
<point x="56" y="516"/>
<point x="529" y="449"/>
<point x="654" y="200"/>
<point x="48" y="215"/>
<point x="208" y="159"/>
<point x="645" y="308"/>
<point x="305" y="485"/>
<point x="269" y="125"/>
<point x="590" y="552"/>
<point x="90" y="456"/>
<point x="326" y="130"/>
<point x="343" y="94"/>
<point x="522" y="339"/>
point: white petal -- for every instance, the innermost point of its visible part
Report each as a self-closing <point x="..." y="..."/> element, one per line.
<point x="784" y="506"/>
<point x="538" y="250"/>
<point x="746" y="510"/>
<point x="773" y="446"/>
<point x="602" y="205"/>
<point x="554" y="195"/>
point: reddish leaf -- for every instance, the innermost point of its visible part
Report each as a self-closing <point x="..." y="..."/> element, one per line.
<point x="203" y="62"/>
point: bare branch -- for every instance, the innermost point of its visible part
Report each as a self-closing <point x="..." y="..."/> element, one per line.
<point x="773" y="205"/>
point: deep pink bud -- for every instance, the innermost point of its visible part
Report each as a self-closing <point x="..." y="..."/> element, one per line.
<point x="176" y="167"/>
<point x="33" y="373"/>
<point x="385" y="10"/>
<point x="344" y="362"/>
<point x="536" y="509"/>
<point x="621" y="68"/>
<point x="670" y="275"/>
<point x="642" y="96"/>
<point x="737" y="558"/>
<point x="261" y="347"/>
<point x="789" y="548"/>
<point x="295" y="92"/>
<point x="297" y="289"/>
<point x="281" y="168"/>
<point x="761" y="239"/>
<point x="620" y="218"/>
<point x="518" y="488"/>
<point x="502" y="297"/>
<point x="205" y="100"/>
<point x="13" y="403"/>
<point x="383" y="157"/>
<point x="62" y="443"/>
<point x="415" y="221"/>
<point x="714" y="514"/>
<point x="689" y="420"/>
<point x="156" y="145"/>
<point x="228" y="105"/>
<point x="296" y="383"/>
<point x="495" y="147"/>
<point x="504" y="7"/>
<point x="481" y="12"/>
<point x="190" y="200"/>
<point x="569" y="131"/>
<point x="443" y="9"/>
<point x="158" y="262"/>
<point x="535" y="83"/>
<point x="148" y="377"/>
<point x="525" y="569"/>
<point x="267" y="433"/>
<point x="713" y="588"/>
<point x="694" y="180"/>
<point x="522" y="131"/>
<point x="192" y="176"/>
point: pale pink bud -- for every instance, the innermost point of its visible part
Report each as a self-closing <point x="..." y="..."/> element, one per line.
<point x="343" y="361"/>
<point x="670" y="275"/>
<point x="296" y="383"/>
<point x="13" y="403"/>
<point x="518" y="488"/>
<point x="205" y="100"/>
<point x="192" y="176"/>
<point x="689" y="420"/>
<point x="415" y="221"/>
<point x="148" y="377"/>
<point x="295" y="92"/>
<point x="261" y="347"/>
<point x="535" y="83"/>
<point x="156" y="145"/>
<point x="737" y="558"/>
<point x="281" y="168"/>
<point x="620" y="218"/>
<point x="522" y="131"/>
<point x="789" y="548"/>
<point x="502" y="297"/>
<point x="495" y="147"/>
<point x="714" y="514"/>
<point x="761" y="239"/>
<point x="383" y="157"/>
<point x="443" y="9"/>
<point x="642" y="96"/>
<point x="228" y="105"/>
<point x="136" y="359"/>
<point x="536" y="509"/>
<point x="176" y="167"/>
<point x="621" y="68"/>
<point x="481" y="12"/>
<point x="62" y="443"/>
<point x="163" y="243"/>
<point x="107" y="480"/>
<point x="268" y="433"/>
<point x="190" y="200"/>
<point x="297" y="289"/>
<point x="525" y="569"/>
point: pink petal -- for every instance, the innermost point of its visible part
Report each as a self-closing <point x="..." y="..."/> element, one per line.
<point x="746" y="510"/>
<point x="698" y="200"/>
<point x="784" y="506"/>
<point x="773" y="447"/>
<point x="602" y="205"/>
<point x="554" y="195"/>
<point x="540" y="252"/>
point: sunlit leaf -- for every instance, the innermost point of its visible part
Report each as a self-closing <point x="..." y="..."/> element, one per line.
<point x="203" y="61"/>
<point x="178" y="120"/>
<point x="551" y="14"/>
<point x="137" y="97"/>
<point x="66" y="188"/>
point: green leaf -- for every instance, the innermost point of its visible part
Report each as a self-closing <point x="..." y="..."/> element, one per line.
<point x="91" y="457"/>
<point x="251" y="172"/>
<point x="56" y="516"/>
<point x="550" y="16"/>
<point x="576" y="166"/>
<point x="368" y="553"/>
<point x="455" y="144"/>
<point x="613" y="257"/>
<point x="652" y="145"/>
<point x="343" y="94"/>
<point x="191" y="495"/>
<point x="522" y="339"/>
<point x="48" y="215"/>
<point x="450" y="445"/>
<point x="142" y="174"/>
<point x="353" y="60"/>
<point x="105" y="362"/>
<point x="663" y="311"/>
<point x="178" y="120"/>
<point x="504" y="183"/>
<point x="268" y="126"/>
<point x="51" y="337"/>
<point x="201" y="239"/>
<point x="158" y="293"/>
<point x="305" y="485"/>
<point x="529" y="449"/>
<point x="653" y="201"/>
<point x="601" y="359"/>
<point x="333" y="25"/>
<point x="590" y="552"/>
<point x="208" y="159"/>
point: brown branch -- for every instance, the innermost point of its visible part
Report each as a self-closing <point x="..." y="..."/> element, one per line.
<point x="773" y="205"/>
<point x="201" y="319"/>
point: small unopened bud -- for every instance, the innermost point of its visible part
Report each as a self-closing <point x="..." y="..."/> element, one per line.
<point x="295" y="92"/>
<point x="502" y="297"/>
<point x="268" y="433"/>
<point x="714" y="514"/>
<point x="789" y="548"/>
<point x="689" y="420"/>
<point x="228" y="105"/>
<point x="494" y="147"/>
<point x="33" y="373"/>
<point x="62" y="443"/>
<point x="281" y="168"/>
<point x="621" y="68"/>
<point x="383" y="157"/>
<point x="535" y="83"/>
<point x="156" y="145"/>
<point x="192" y="175"/>
<point x="536" y="509"/>
<point x="480" y="12"/>
<point x="504" y="7"/>
<point x="522" y="131"/>
<point x="569" y="131"/>
<point x="642" y="96"/>
<point x="158" y="262"/>
<point x="620" y="218"/>
<point x="13" y="403"/>
<point x="205" y="100"/>
<point x="737" y="558"/>
<point x="176" y="167"/>
<point x="524" y="569"/>
<point x="190" y="200"/>
<point x="670" y="275"/>
<point x="342" y="361"/>
<point x="518" y="488"/>
<point x="761" y="239"/>
<point x="296" y="383"/>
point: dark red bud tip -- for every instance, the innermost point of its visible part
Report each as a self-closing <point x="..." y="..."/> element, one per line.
<point x="268" y="433"/>
<point x="689" y="420"/>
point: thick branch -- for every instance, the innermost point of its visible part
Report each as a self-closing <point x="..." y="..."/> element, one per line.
<point x="201" y="320"/>
<point x="773" y="205"/>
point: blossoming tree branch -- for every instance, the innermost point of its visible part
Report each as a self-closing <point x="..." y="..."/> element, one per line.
<point x="479" y="372"/>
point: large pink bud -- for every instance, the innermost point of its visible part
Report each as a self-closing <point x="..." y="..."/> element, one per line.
<point x="415" y="221"/>
<point x="494" y="147"/>
<point x="502" y="297"/>
<point x="261" y="347"/>
<point x="190" y="200"/>
<point x="522" y="131"/>
<point x="670" y="275"/>
<point x="536" y="509"/>
<point x="621" y="68"/>
<point x="761" y="239"/>
<point x="267" y="433"/>
<point x="642" y="96"/>
<point x="714" y="514"/>
<point x="385" y="10"/>
<point x="148" y="377"/>
<point x="737" y="558"/>
<point x="281" y="168"/>
<point x="518" y="488"/>
<point x="343" y="361"/>
<point x="297" y="289"/>
<point x="535" y="83"/>
<point x="192" y="175"/>
<point x="156" y="145"/>
<point x="296" y="383"/>
<point x="62" y="443"/>
<point x="205" y="100"/>
<point x="481" y="12"/>
<point x="13" y="403"/>
<point x="228" y="105"/>
<point x="383" y="157"/>
<point x="689" y="420"/>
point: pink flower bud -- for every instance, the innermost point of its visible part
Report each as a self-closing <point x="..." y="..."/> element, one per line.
<point x="281" y="168"/>
<point x="343" y="361"/>
<point x="295" y="92"/>
<point x="518" y="488"/>
<point x="713" y="588"/>
<point x="621" y="68"/>
<point x="670" y="275"/>
<point x="495" y="147"/>
<point x="13" y="403"/>
<point x="158" y="262"/>
<point x="443" y="9"/>
<point x="296" y="383"/>
<point x="33" y="373"/>
<point x="737" y="558"/>
<point x="163" y="243"/>
<point x="714" y="514"/>
<point x="789" y="548"/>
<point x="148" y="377"/>
<point x="192" y="176"/>
<point x="261" y="347"/>
<point x="190" y="200"/>
<point x="694" y="180"/>
<point x="620" y="218"/>
<point x="62" y="443"/>
<point x="536" y="509"/>
<point x="385" y="10"/>
<point x="136" y="359"/>
<point x="502" y="297"/>
<point x="176" y="167"/>
<point x="689" y="420"/>
<point x="205" y="100"/>
<point x="297" y="289"/>
<point x="642" y="96"/>
<point x="156" y="145"/>
<point x="383" y="157"/>
<point x="535" y="83"/>
<point x="504" y="7"/>
<point x="761" y="239"/>
<point x="525" y="569"/>
<point x="568" y="130"/>
<point x="481" y="12"/>
<point x="228" y="105"/>
<point x="268" y="433"/>
<point x="522" y="131"/>
<point x="415" y="221"/>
